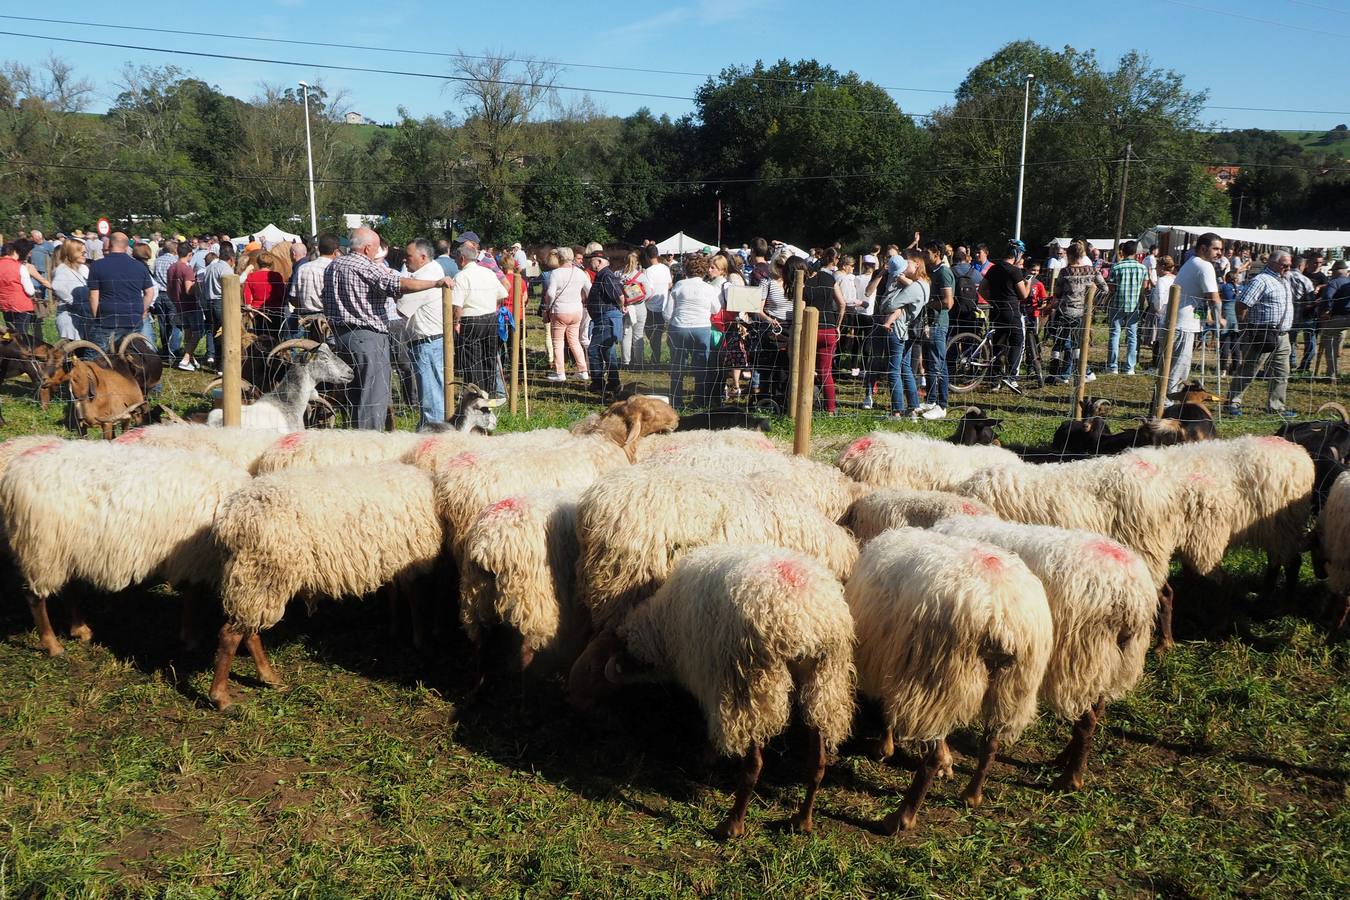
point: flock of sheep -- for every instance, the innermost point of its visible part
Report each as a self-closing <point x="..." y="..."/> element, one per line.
<point x="953" y="585"/>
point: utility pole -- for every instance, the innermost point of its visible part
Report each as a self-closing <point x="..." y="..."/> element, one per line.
<point x="309" y="157"/>
<point x="1124" y="186"/>
<point x="1022" y="166"/>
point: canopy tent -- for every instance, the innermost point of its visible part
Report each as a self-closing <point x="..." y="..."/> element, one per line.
<point x="681" y="243"/>
<point x="1294" y="239"/>
<point x="1106" y="245"/>
<point x="795" y="251"/>
<point x="275" y="235"/>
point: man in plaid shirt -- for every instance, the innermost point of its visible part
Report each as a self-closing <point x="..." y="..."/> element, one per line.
<point x="355" y="288"/>
<point x="1268" y="303"/>
<point x="1127" y="285"/>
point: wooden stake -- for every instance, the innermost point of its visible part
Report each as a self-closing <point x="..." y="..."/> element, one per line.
<point x="232" y="359"/>
<point x="1081" y="389"/>
<point x="448" y="340"/>
<point x="794" y="340"/>
<point x="524" y="357"/>
<point x="516" y="313"/>
<point x="1165" y="364"/>
<point x="806" y="393"/>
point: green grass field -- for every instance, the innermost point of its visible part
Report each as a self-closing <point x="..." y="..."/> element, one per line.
<point x="1226" y="774"/>
<point x="1335" y="144"/>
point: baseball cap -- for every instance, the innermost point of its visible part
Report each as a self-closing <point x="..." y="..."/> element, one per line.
<point x="1340" y="265"/>
<point x="869" y="259"/>
<point x="516" y="245"/>
<point x="468" y="236"/>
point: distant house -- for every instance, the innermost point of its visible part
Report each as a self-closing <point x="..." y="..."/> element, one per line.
<point x="1223" y="176"/>
<point x="355" y="118"/>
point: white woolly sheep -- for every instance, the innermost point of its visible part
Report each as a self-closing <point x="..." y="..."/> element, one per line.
<point x="239" y="446"/>
<point x="111" y="516"/>
<point x="916" y="462"/>
<point x="338" y="447"/>
<point x="730" y="438"/>
<point x="518" y="571"/>
<point x="1334" y="537"/>
<point x="9" y="451"/>
<point x="950" y="632"/>
<point x="1102" y="602"/>
<point x="633" y="525"/>
<point x="334" y="532"/>
<point x="884" y="508"/>
<point x="432" y="450"/>
<point x="748" y="631"/>
<point x="822" y="485"/>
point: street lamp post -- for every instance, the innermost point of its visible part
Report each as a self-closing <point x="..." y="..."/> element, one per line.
<point x="309" y="155"/>
<point x="1022" y="166"/>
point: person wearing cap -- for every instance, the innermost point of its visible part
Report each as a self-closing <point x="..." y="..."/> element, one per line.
<point x="521" y="259"/>
<point x="1005" y="288"/>
<point x="354" y="290"/>
<point x="1266" y="308"/>
<point x="604" y="304"/>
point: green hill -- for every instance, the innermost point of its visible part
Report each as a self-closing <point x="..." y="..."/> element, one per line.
<point x="1334" y="143"/>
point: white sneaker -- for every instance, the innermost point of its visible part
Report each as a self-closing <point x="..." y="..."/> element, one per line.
<point x="581" y="376"/>
<point x="867" y="402"/>
<point x="934" y="412"/>
<point x="924" y="407"/>
<point x="186" y="365"/>
<point x="853" y="372"/>
<point x="1090" y="377"/>
<point x="556" y="376"/>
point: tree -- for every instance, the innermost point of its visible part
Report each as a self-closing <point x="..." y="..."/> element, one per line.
<point x="502" y="93"/>
<point x="44" y="142"/>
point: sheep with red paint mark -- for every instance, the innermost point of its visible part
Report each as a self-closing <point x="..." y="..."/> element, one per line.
<point x="240" y="447"/>
<point x="431" y="450"/>
<point x="1102" y="602"/>
<point x="1334" y="539"/>
<point x="752" y="632"/>
<point x="950" y="632"/>
<point x="320" y="532"/>
<point x="316" y="448"/>
<point x="518" y="575"/>
<point x="917" y="462"/>
<point x="885" y="508"/>
<point x="110" y="516"/>
<point x="741" y="439"/>
<point x="819" y="484"/>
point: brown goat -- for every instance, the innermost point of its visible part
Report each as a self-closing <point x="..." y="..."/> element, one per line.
<point x="103" y="396"/>
<point x="1197" y="424"/>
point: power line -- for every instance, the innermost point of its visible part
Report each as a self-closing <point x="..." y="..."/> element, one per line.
<point x="1228" y="13"/>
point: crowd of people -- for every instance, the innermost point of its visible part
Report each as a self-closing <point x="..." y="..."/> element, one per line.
<point x="725" y="315"/>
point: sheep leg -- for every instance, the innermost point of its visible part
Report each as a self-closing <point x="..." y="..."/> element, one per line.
<point x="1165" y="641"/>
<point x="1292" y="567"/>
<point x="815" y="774"/>
<point x="1075" y="755"/>
<point x="220" y="681"/>
<point x="187" y="625"/>
<point x="884" y="747"/>
<point x="1339" y="618"/>
<point x="734" y="824"/>
<point x="38" y="607"/>
<point x="416" y="610"/>
<point x="974" y="792"/>
<point x="266" y="673"/>
<point x="79" y="628"/>
<point x="945" y="767"/>
<point x="903" y="818"/>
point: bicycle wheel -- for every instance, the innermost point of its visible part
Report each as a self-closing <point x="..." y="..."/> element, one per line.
<point x="970" y="360"/>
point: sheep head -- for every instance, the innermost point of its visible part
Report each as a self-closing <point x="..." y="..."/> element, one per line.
<point x="628" y="420"/>
<point x="588" y="681"/>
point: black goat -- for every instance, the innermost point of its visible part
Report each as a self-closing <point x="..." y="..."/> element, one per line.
<point x="975" y="428"/>
<point x="721" y="419"/>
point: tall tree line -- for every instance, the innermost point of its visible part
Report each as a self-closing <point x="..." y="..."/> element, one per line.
<point x="792" y="150"/>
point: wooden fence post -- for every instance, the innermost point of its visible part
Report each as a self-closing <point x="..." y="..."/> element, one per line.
<point x="806" y="393"/>
<point x="1081" y="389"/>
<point x="1165" y="364"/>
<point x="448" y="340"/>
<point x="517" y="312"/>
<point x="794" y="341"/>
<point x="232" y="359"/>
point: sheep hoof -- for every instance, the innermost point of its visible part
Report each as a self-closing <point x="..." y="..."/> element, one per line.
<point x="731" y="828"/>
<point x="83" y="633"/>
<point x="973" y="799"/>
<point x="801" y="824"/>
<point x="1068" y="783"/>
<point x="881" y="750"/>
<point x="900" y="820"/>
<point x="53" y="648"/>
<point x="945" y="769"/>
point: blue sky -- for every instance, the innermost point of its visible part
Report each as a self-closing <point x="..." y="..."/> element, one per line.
<point x="1277" y="54"/>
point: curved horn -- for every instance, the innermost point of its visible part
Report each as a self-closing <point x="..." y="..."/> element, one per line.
<point x="1336" y="408"/>
<point x="220" y="382"/>
<point x="127" y="341"/>
<point x="72" y="346"/>
<point x="293" y="344"/>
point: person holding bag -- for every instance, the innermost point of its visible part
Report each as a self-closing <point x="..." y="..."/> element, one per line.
<point x="634" y="312"/>
<point x="900" y="312"/>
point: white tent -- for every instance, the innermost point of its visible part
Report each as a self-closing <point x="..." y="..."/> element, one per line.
<point x="1296" y="239"/>
<point x="1106" y="245"/>
<point x="795" y="251"/>
<point x="275" y="235"/>
<point x="680" y="243"/>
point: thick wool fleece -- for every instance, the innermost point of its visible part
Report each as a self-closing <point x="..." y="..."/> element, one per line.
<point x="917" y="463"/>
<point x="342" y="447"/>
<point x="240" y="447"/>
<point x="885" y="508"/>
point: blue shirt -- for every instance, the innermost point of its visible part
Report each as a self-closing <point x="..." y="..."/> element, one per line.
<point x="448" y="266"/>
<point x="38" y="257"/>
<point x="120" y="280"/>
<point x="1269" y="301"/>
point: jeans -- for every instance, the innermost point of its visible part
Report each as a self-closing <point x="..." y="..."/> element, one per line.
<point x="108" y="337"/>
<point x="367" y="351"/>
<point x="602" y="354"/>
<point x="214" y="315"/>
<point x="170" y="327"/>
<point x="1129" y="320"/>
<point x="654" y="326"/>
<point x="689" y="350"/>
<point x="428" y="359"/>
<point x="1065" y="333"/>
<point x="935" y="365"/>
<point x="1183" y="344"/>
<point x="904" y="389"/>
<point x="1008" y="341"/>
<point x="474" y="354"/>
<point x="1253" y="360"/>
<point x="634" y="330"/>
<point x="21" y="322"/>
<point x="1309" y="332"/>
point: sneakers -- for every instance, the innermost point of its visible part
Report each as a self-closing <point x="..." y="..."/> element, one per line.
<point x="1285" y="413"/>
<point x="581" y="376"/>
<point x="853" y="372"/>
<point x="924" y="407"/>
<point x="1091" y="377"/>
<point x="1129" y="371"/>
<point x="933" y="413"/>
<point x="1234" y="411"/>
<point x="556" y="376"/>
<point x="867" y="402"/>
<point x="186" y="365"/>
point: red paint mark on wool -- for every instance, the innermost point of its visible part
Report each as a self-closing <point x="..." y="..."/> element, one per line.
<point x="509" y="505"/>
<point x="1108" y="550"/>
<point x="424" y="446"/>
<point x="462" y="461"/>
<point x="765" y="443"/>
<point x="291" y="441"/>
<point x="1144" y="466"/>
<point x="130" y="437"/>
<point x="39" y="450"/>
<point x="790" y="572"/>
<point x="861" y="445"/>
<point x="1200" y="478"/>
<point x="990" y="562"/>
<point x="971" y="509"/>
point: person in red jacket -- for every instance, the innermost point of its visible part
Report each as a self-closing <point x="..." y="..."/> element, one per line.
<point x="265" y="290"/>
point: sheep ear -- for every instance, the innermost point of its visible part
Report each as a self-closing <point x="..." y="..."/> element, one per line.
<point x="634" y="432"/>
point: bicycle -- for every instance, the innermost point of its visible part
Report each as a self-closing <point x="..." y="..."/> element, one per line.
<point x="970" y="357"/>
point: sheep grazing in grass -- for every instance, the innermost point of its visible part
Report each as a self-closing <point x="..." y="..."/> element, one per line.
<point x="885" y="508"/>
<point x="70" y="516"/>
<point x="1334" y="540"/>
<point x="950" y="632"/>
<point x="238" y="446"/>
<point x="915" y="462"/>
<point x="334" y="448"/>
<point x="519" y="573"/>
<point x="751" y="632"/>
<point x="822" y="485"/>
<point x="334" y="532"/>
<point x="635" y="524"/>
<point x="1103" y="604"/>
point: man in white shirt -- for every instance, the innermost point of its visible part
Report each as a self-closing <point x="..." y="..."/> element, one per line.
<point x="424" y="331"/>
<point x="657" y="279"/>
<point x="477" y="295"/>
<point x="1199" y="293"/>
<point x="519" y="254"/>
<point x="307" y="298"/>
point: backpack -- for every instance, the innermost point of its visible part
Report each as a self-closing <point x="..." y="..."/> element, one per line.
<point x="966" y="295"/>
